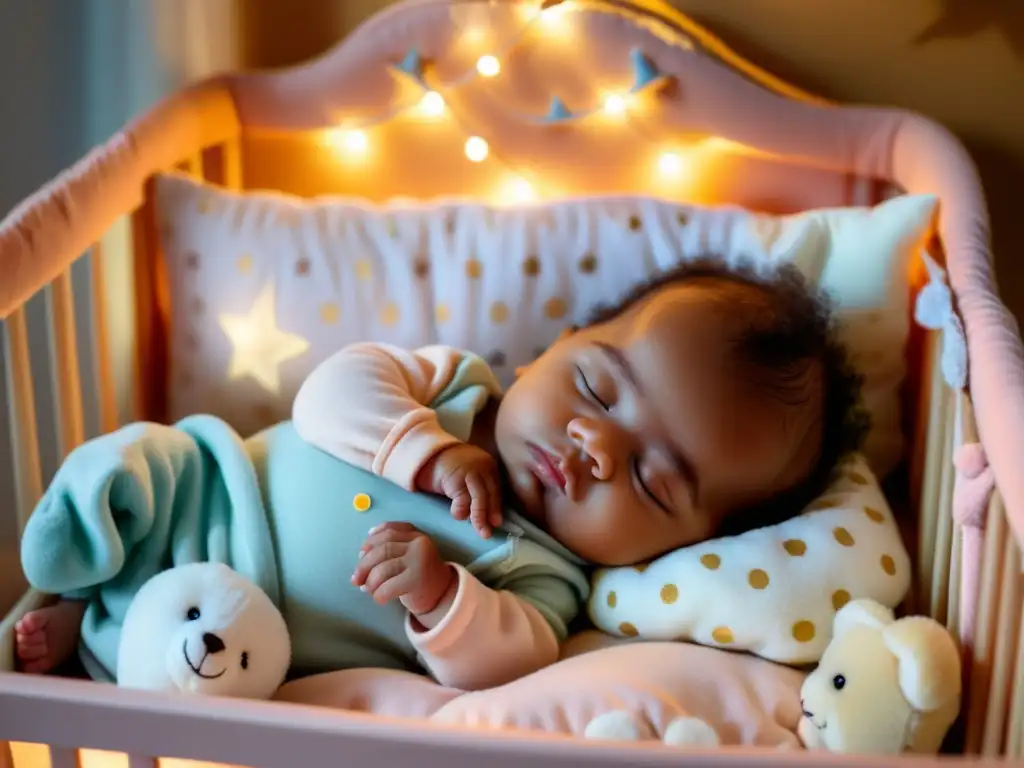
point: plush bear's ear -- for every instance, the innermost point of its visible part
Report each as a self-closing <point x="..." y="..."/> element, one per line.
<point x="929" y="662"/>
<point x="861" y="613"/>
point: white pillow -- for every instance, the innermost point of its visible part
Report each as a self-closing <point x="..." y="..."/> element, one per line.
<point x="289" y="281"/>
<point x="771" y="591"/>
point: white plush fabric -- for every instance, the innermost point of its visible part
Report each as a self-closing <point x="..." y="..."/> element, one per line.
<point x="203" y="628"/>
<point x="291" y="281"/>
<point x="772" y="591"/>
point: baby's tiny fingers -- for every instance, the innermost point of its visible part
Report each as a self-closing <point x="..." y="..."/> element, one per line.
<point x="381" y="574"/>
<point x="375" y="556"/>
<point x="461" y="504"/>
<point x="32" y="652"/>
<point x="383" y="536"/>
<point x="478" y="510"/>
<point x="494" y="494"/>
<point x="393" y="526"/>
<point x="399" y="585"/>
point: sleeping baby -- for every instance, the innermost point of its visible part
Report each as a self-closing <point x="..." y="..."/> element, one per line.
<point x="411" y="515"/>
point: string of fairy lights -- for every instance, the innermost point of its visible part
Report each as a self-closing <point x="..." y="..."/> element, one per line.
<point x="428" y="99"/>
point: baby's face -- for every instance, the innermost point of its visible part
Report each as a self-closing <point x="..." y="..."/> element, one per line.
<point x="636" y="437"/>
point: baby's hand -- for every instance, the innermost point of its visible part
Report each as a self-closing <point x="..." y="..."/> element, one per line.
<point x="469" y="477"/>
<point x="398" y="561"/>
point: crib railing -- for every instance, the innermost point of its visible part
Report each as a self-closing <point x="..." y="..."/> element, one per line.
<point x="993" y="720"/>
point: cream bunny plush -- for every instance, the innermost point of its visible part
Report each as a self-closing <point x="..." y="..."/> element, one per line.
<point x="884" y="686"/>
<point x="203" y="628"/>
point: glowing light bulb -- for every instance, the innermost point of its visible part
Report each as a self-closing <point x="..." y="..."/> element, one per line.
<point x="349" y="142"/>
<point x="355" y="141"/>
<point x="670" y="163"/>
<point x="476" y="149"/>
<point x="488" y="66"/>
<point x="432" y="104"/>
<point x="614" y="104"/>
<point x="518" y="190"/>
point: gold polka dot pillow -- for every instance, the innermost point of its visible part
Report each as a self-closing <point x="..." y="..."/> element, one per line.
<point x="773" y="591"/>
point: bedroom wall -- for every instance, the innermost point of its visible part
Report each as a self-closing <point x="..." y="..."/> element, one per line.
<point x="959" y="61"/>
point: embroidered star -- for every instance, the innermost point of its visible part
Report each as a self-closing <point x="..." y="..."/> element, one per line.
<point x="259" y="345"/>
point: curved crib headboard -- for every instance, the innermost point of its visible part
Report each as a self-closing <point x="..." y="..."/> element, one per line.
<point x="592" y="96"/>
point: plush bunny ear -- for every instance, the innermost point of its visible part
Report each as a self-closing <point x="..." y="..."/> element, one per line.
<point x="929" y="662"/>
<point x="861" y="613"/>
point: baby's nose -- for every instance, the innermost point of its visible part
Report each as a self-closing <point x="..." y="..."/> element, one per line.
<point x="594" y="439"/>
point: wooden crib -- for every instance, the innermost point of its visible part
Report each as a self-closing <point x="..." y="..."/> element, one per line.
<point x="778" y="149"/>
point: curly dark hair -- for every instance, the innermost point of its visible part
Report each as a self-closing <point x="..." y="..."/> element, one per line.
<point x="788" y="328"/>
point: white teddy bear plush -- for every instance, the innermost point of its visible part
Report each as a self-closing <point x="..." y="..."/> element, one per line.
<point x="203" y="628"/>
<point x="884" y="686"/>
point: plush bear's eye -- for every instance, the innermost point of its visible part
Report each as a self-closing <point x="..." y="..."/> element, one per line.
<point x="245" y="659"/>
<point x="839" y="682"/>
<point x="193" y="614"/>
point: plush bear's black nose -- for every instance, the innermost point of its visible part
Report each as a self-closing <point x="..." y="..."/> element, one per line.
<point x="213" y="643"/>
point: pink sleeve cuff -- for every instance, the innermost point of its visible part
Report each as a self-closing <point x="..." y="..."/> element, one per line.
<point x="487" y="638"/>
<point x="452" y="627"/>
<point x="410" y="444"/>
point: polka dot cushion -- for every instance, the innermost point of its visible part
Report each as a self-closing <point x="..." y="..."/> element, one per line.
<point x="264" y="287"/>
<point x="772" y="591"/>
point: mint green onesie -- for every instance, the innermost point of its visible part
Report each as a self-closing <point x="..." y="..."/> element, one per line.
<point x="127" y="505"/>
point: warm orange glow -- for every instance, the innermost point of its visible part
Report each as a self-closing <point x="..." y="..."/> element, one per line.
<point x="476" y="149"/>
<point x="488" y="66"/>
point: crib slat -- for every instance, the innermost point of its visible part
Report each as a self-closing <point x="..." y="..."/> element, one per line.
<point x="62" y="757"/>
<point x="953" y="617"/>
<point x="932" y="472"/>
<point x="28" y="482"/>
<point x="231" y="154"/>
<point x="980" y="676"/>
<point x="943" y="515"/>
<point x="64" y="355"/>
<point x="1015" y="737"/>
<point x="101" y="342"/>
<point x="6" y="757"/>
<point x="149" y="379"/>
<point x="1005" y="647"/>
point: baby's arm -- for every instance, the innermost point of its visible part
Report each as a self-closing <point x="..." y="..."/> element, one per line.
<point x="370" y="405"/>
<point x="483" y="637"/>
<point x="467" y="634"/>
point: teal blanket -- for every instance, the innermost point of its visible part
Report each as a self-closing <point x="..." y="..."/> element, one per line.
<point x="145" y="498"/>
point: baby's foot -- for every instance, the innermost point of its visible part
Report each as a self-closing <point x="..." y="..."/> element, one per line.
<point x="47" y="637"/>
